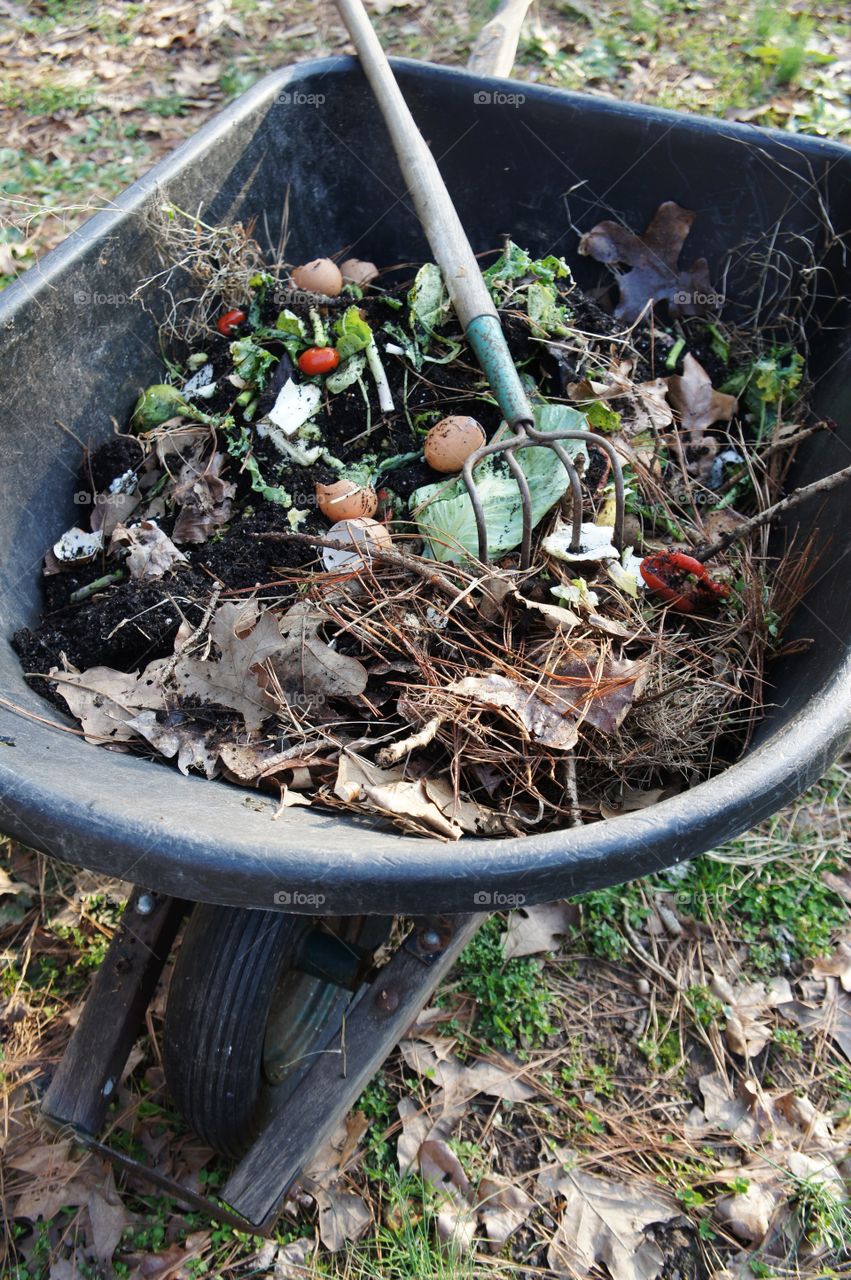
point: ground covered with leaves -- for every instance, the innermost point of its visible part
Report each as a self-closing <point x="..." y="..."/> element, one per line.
<point x="92" y="94"/>
<point x="651" y="1081"/>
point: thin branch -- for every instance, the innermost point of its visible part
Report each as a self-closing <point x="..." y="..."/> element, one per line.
<point x="773" y="513"/>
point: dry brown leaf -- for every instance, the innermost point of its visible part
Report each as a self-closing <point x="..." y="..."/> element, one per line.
<point x="552" y="723"/>
<point x="108" y="1218"/>
<point x="748" y="1214"/>
<point x="292" y="1260"/>
<point x="602" y="692"/>
<point x="204" y="498"/>
<point x="152" y="552"/>
<point x="361" y="782"/>
<point x="343" y="1216"/>
<point x="420" y="1123"/>
<point x="745" y="1003"/>
<point x="727" y="1110"/>
<point x="233" y="678"/>
<point x="442" y="1169"/>
<point x="538" y="930"/>
<point x="695" y="399"/>
<point x="653" y="258"/>
<point x="647" y="409"/>
<point x="840" y="884"/>
<point x="604" y="1224"/>
<point x="837" y="965"/>
<point x="178" y="735"/>
<point x="307" y="666"/>
<point x="832" y="1017"/>
<point x="502" y="1209"/>
<point x="104" y="701"/>
<point x="460" y="1082"/>
<point x="469" y="815"/>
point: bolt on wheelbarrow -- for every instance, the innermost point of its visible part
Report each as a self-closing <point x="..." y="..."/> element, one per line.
<point x="262" y="889"/>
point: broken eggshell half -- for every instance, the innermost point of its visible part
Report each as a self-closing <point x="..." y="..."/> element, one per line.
<point x="77" y="546"/>
<point x="319" y="276"/>
<point x="363" y="533"/>
<point x="356" y="271"/>
<point x="346" y="500"/>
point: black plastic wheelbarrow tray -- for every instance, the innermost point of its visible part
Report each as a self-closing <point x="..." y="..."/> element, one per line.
<point x="517" y="159"/>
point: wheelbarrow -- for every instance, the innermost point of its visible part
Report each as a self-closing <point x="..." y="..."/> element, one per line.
<point x="278" y="1011"/>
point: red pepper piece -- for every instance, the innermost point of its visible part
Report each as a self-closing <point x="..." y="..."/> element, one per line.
<point x="683" y="581"/>
<point x="230" y="322"/>
<point x="318" y="360"/>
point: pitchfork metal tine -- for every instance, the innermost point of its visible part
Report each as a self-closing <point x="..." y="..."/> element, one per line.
<point x="528" y="436"/>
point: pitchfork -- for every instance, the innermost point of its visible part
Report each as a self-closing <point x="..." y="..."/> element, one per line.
<point x="473" y="303"/>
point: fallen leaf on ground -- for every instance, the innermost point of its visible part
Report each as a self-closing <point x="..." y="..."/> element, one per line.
<point x="832" y="1017"/>
<point x="502" y="1209"/>
<point x="343" y="1216"/>
<point x="460" y="1082"/>
<point x="443" y="1172"/>
<point x="653" y="257"/>
<point x="727" y="1110"/>
<point x="536" y="930"/>
<point x="748" y="1214"/>
<point x="419" y="1124"/>
<point x="604" y="1223"/>
<point x="836" y="965"/>
<point x="291" y="1261"/>
<point x="746" y="1033"/>
<point x="108" y="1218"/>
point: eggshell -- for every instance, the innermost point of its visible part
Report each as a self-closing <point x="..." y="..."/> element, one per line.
<point x="451" y="441"/>
<point x="346" y="500"/>
<point x="356" y="271"/>
<point x="361" y="533"/>
<point x="319" y="276"/>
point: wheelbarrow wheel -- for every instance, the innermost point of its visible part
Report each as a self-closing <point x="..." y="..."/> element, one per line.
<point x="242" y="1023"/>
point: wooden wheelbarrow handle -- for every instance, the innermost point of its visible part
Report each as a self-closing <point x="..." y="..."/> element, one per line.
<point x="452" y="251"/>
<point x="495" y="48"/>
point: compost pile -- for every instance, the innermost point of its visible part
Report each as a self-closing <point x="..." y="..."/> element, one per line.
<point x="274" y="578"/>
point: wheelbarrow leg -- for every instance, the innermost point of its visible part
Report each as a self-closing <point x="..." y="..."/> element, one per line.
<point x="378" y="1020"/>
<point x="88" y="1073"/>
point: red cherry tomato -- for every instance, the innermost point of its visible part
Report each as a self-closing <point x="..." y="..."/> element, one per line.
<point x="318" y="360"/>
<point x="230" y="322"/>
<point x="683" y="581"/>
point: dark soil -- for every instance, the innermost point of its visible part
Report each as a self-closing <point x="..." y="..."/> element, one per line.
<point x="131" y="623"/>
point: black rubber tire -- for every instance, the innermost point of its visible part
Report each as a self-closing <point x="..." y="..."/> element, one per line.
<point x="232" y="965"/>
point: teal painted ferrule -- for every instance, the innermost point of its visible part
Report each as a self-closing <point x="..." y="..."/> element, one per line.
<point x="484" y="333"/>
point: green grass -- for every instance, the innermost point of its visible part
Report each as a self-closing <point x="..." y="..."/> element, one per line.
<point x="514" y="1008"/>
<point x="764" y="889"/>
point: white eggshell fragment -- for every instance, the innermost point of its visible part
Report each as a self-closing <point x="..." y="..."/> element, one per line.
<point x="77" y="546"/>
<point x="363" y="533"/>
